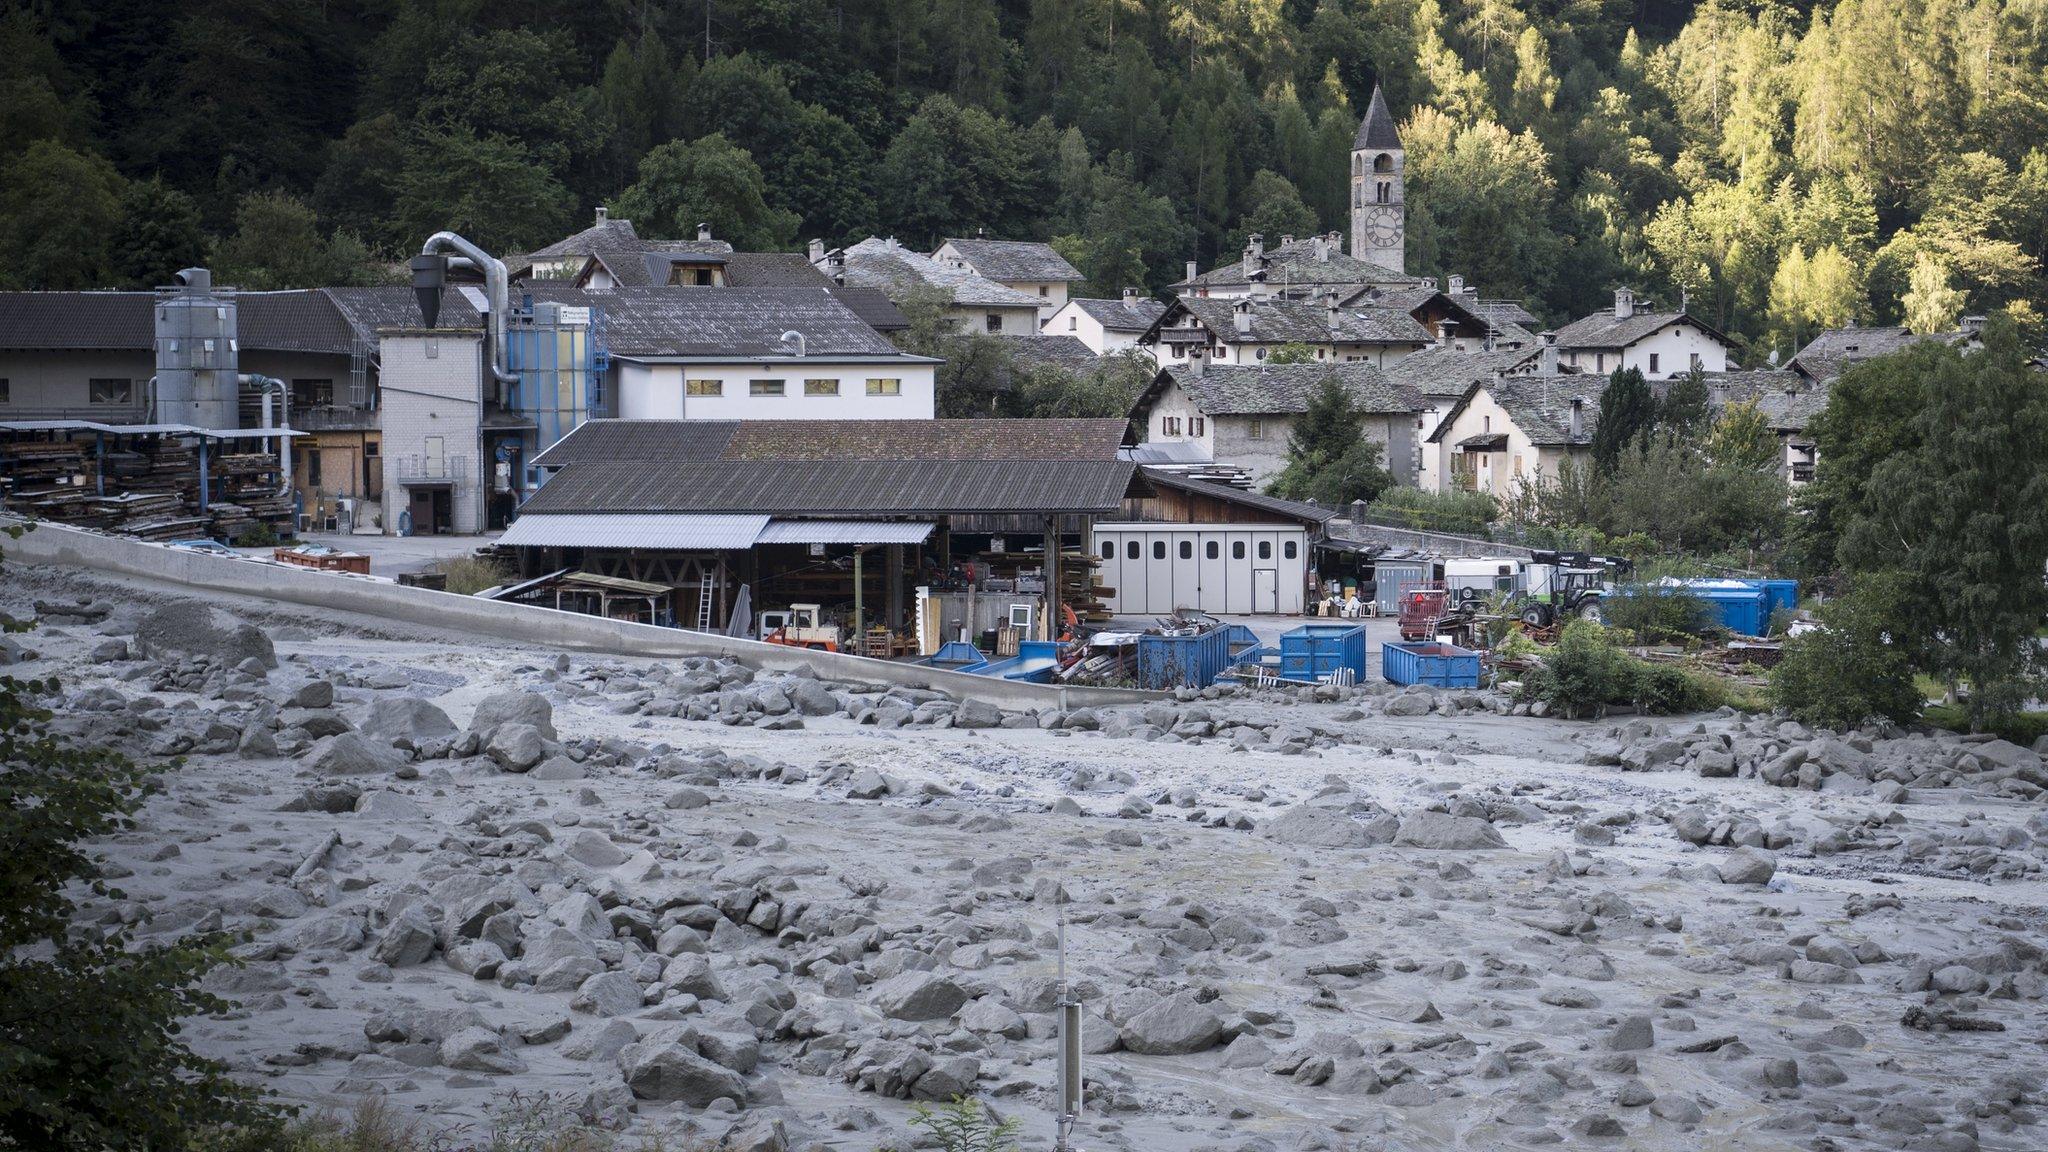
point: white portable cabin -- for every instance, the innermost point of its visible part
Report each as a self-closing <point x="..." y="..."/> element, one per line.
<point x="1225" y="569"/>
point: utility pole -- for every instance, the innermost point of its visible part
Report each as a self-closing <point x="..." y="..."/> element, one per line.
<point x="1070" y="1047"/>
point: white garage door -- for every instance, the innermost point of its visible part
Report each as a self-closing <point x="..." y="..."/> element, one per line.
<point x="1222" y="569"/>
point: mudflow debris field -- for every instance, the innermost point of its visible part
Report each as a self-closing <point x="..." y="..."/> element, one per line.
<point x="775" y="911"/>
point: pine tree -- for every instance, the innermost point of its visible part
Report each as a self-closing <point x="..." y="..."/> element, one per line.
<point x="1627" y="410"/>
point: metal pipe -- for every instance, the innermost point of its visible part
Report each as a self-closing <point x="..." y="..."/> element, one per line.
<point x="496" y="282"/>
<point x="273" y="386"/>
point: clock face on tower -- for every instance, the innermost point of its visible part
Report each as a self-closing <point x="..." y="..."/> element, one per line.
<point x="1383" y="225"/>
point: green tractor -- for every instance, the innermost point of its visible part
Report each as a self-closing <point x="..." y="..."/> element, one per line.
<point x="1560" y="586"/>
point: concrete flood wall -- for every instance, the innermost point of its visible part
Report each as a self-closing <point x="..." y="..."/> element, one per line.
<point x="71" y="547"/>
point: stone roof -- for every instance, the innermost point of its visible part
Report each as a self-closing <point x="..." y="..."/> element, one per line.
<point x="679" y="320"/>
<point x="302" y="320"/>
<point x="1133" y="314"/>
<point x="1009" y="260"/>
<point x="1442" y="373"/>
<point x="1827" y="354"/>
<point x="898" y="271"/>
<point x="1279" y="389"/>
<point x="1540" y="406"/>
<point x="1787" y="399"/>
<point x="1605" y="330"/>
<point x="1377" y="130"/>
<point x="1301" y="322"/>
<point x="1061" y="351"/>
<point x="614" y="237"/>
<point x="772" y="270"/>
<point x="1309" y="261"/>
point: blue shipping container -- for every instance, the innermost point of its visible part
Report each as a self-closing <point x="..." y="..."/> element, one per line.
<point x="1782" y="593"/>
<point x="1313" y="651"/>
<point x="1438" y="665"/>
<point x="1183" y="661"/>
<point x="1740" y="610"/>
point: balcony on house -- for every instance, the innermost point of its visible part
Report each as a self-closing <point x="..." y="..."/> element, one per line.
<point x="423" y="471"/>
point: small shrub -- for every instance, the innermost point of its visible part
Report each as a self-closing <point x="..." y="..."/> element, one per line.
<point x="1665" y="689"/>
<point x="1845" y="672"/>
<point x="260" y="535"/>
<point x="1583" y="674"/>
<point x="2022" y="728"/>
<point x="964" y="1126"/>
<point x="468" y="575"/>
<point x="1654" y="612"/>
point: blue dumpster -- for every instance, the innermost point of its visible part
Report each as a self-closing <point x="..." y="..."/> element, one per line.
<point x="1735" y="605"/>
<point x="1313" y="651"/>
<point x="1183" y="661"/>
<point x="1424" y="662"/>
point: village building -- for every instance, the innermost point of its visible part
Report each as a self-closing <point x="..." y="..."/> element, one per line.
<point x="1441" y="374"/>
<point x="1025" y="266"/>
<point x="973" y="302"/>
<point x="1503" y="433"/>
<point x="1240" y="416"/>
<point x="1247" y="331"/>
<point x="1789" y="402"/>
<point x="1379" y="224"/>
<point x="1106" y="326"/>
<point x="1298" y="268"/>
<point x="1659" y="343"/>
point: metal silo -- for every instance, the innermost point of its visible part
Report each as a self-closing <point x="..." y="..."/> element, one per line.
<point x="196" y="354"/>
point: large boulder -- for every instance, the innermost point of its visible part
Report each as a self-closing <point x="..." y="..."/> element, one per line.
<point x="1174" y="1026"/>
<point x="1748" y="866"/>
<point x="193" y="628"/>
<point x="1305" y="826"/>
<point x="415" y="722"/>
<point x="515" y="747"/>
<point x="513" y="707"/>
<point x="409" y="939"/>
<point x="350" y="755"/>
<point x="918" y="996"/>
<point x="1443" y="831"/>
<point x="667" y="1066"/>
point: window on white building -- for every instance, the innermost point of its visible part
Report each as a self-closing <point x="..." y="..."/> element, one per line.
<point x="994" y="321"/>
<point x="1653" y="363"/>
<point x="1196" y="425"/>
<point x="821" y="386"/>
<point x="765" y="387"/>
<point x="1159" y="549"/>
<point x="1187" y="550"/>
<point x="1211" y="550"/>
<point x="1255" y="430"/>
<point x="1169" y="425"/>
<point x="703" y="387"/>
<point x="885" y="386"/>
<point x="1696" y="362"/>
<point x="1073" y="323"/>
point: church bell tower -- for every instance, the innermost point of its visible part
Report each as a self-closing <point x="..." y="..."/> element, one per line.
<point x="1379" y="228"/>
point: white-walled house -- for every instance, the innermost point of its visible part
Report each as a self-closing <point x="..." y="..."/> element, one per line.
<point x="1635" y="334"/>
<point x="1441" y="375"/>
<point x="1026" y="266"/>
<point x="976" y="303"/>
<point x="758" y="354"/>
<point x="1106" y="326"/>
<point x="1505" y="432"/>
<point x="1248" y="330"/>
<point x="1240" y="417"/>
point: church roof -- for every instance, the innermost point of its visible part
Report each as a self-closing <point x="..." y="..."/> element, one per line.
<point x="1311" y="261"/>
<point x="1376" y="131"/>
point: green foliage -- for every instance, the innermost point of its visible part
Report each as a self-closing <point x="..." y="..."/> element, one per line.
<point x="1940" y="491"/>
<point x="707" y="181"/>
<point x="277" y="244"/>
<point x="1292" y="354"/>
<point x="1583" y="673"/>
<point x="90" y="1051"/>
<point x="1456" y="511"/>
<point x="1329" y="459"/>
<point x="1783" y="167"/>
<point x="2022" y="728"/>
<point x="1627" y="411"/>
<point x="58" y="213"/>
<point x="1849" y="671"/>
<point x="965" y="1126"/>
<point x="160" y="234"/>
<point x="1654" y="612"/>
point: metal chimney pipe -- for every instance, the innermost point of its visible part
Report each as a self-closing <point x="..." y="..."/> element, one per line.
<point x="496" y="282"/>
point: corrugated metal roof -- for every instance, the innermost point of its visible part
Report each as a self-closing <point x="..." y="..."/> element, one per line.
<point x="845" y="532"/>
<point x="664" y="530"/>
<point x="836" y="488"/>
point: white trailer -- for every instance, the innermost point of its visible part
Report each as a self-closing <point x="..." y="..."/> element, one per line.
<point x="1224" y="569"/>
<point x="1477" y="579"/>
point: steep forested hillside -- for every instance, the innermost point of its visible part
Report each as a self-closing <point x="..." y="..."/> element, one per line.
<point x="1787" y="166"/>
